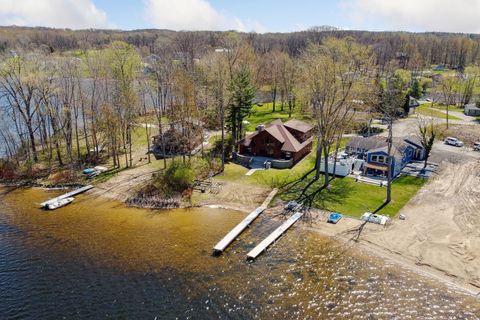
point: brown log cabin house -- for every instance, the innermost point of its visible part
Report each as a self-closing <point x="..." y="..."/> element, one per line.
<point x="278" y="140"/>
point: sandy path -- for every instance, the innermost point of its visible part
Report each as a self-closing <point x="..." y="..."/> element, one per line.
<point x="442" y="229"/>
<point x="121" y="186"/>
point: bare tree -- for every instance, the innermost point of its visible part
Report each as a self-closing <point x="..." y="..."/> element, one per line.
<point x="17" y="85"/>
<point x="448" y="86"/>
<point x="427" y="132"/>
<point x="331" y="74"/>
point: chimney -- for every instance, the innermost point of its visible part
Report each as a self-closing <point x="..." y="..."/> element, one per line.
<point x="260" y="128"/>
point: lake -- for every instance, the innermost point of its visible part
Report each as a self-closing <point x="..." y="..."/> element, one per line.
<point x="97" y="258"/>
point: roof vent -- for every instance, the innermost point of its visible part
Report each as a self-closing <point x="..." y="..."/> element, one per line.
<point x="260" y="127"/>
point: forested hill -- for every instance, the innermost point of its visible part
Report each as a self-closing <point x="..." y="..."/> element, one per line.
<point x="453" y="50"/>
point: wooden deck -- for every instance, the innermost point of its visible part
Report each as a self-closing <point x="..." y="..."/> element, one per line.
<point x="239" y="228"/>
<point x="66" y="195"/>
<point x="262" y="246"/>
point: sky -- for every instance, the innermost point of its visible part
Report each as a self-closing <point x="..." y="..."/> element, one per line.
<point x="246" y="15"/>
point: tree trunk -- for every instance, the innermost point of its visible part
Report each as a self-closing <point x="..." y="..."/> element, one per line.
<point x="31" y="135"/>
<point x="447" y="114"/>
<point x="318" y="159"/>
<point x="390" y="162"/>
<point x="326" y="150"/>
<point x="222" y="123"/>
<point x="274" y="98"/>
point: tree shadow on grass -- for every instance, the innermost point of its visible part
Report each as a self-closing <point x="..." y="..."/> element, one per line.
<point x="357" y="232"/>
<point x="312" y="193"/>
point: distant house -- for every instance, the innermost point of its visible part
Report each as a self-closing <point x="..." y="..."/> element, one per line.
<point x="471" y="110"/>
<point x="290" y="141"/>
<point x="412" y="104"/>
<point x="374" y="151"/>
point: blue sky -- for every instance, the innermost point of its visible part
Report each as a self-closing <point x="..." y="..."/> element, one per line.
<point x="273" y="15"/>
<point x="246" y="15"/>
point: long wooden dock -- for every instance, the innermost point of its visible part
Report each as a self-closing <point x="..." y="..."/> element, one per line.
<point x="262" y="246"/>
<point x="66" y="195"/>
<point x="239" y="228"/>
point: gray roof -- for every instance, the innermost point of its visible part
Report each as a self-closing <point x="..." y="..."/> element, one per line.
<point x="380" y="144"/>
<point x="368" y="143"/>
<point x="471" y="106"/>
<point x="298" y="125"/>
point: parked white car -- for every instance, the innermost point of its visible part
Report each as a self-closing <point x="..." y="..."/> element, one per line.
<point x="453" y="142"/>
<point x="476" y="146"/>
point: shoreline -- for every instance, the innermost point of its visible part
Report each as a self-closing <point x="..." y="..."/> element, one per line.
<point x="318" y="225"/>
<point x="343" y="233"/>
<point x="368" y="247"/>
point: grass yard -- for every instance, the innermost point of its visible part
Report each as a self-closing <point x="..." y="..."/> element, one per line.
<point x="264" y="115"/>
<point x="432" y="112"/>
<point x="352" y="198"/>
<point x="444" y="108"/>
<point x="364" y="197"/>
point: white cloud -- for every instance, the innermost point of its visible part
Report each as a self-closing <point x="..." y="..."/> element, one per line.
<point x="75" y="14"/>
<point x="417" y="15"/>
<point x="193" y="15"/>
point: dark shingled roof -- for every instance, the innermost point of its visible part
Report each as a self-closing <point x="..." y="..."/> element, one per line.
<point x="278" y="130"/>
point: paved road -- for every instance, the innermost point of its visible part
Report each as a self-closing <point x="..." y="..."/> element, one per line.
<point x="441" y="151"/>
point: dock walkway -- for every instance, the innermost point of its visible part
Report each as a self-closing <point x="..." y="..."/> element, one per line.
<point x="239" y="228"/>
<point x="262" y="246"/>
<point x="66" y="195"/>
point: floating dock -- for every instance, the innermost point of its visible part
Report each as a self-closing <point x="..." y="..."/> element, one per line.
<point x="239" y="228"/>
<point x="66" y="195"/>
<point x="262" y="246"/>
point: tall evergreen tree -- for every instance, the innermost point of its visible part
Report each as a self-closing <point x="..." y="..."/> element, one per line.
<point x="416" y="89"/>
<point x="243" y="91"/>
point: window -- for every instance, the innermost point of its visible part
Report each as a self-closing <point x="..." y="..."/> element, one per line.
<point x="374" y="158"/>
<point x="381" y="159"/>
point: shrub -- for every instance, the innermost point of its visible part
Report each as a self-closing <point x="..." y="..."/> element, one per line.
<point x="363" y="130"/>
<point x="7" y="170"/>
<point x="216" y="149"/>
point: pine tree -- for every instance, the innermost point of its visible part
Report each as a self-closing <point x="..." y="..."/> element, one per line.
<point x="242" y="91"/>
<point x="416" y="89"/>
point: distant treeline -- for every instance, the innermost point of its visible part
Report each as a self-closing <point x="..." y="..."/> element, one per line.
<point x="412" y="50"/>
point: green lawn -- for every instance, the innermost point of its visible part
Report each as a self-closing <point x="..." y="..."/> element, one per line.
<point x="367" y="198"/>
<point x="352" y="198"/>
<point x="444" y="108"/>
<point x="264" y="115"/>
<point x="431" y="112"/>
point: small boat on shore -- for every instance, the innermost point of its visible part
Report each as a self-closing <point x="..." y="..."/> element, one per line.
<point x="375" y="218"/>
<point x="60" y="203"/>
<point x="334" y="217"/>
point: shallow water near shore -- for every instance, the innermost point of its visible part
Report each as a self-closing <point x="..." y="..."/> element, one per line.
<point x="97" y="258"/>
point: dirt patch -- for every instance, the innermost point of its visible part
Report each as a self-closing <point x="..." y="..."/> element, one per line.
<point x="124" y="184"/>
<point x="238" y="196"/>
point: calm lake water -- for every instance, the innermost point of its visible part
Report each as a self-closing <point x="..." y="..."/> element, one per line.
<point x="99" y="259"/>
